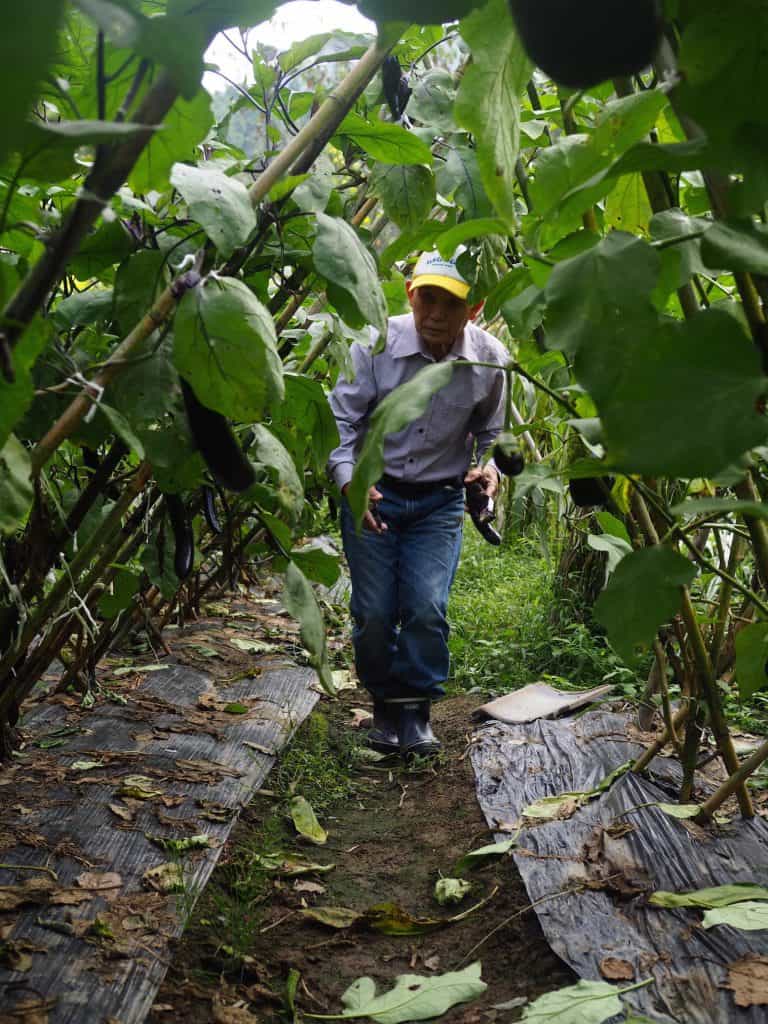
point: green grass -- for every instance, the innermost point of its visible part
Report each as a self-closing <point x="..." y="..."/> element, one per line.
<point x="317" y="765"/>
<point x="501" y="637"/>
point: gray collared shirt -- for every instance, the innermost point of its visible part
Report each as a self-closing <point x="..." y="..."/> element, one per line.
<point x="467" y="412"/>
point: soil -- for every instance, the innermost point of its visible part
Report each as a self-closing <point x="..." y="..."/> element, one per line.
<point x="388" y="843"/>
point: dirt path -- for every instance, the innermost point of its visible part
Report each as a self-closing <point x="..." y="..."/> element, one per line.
<point x="389" y="842"/>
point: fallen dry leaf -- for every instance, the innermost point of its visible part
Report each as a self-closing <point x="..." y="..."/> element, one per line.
<point x="166" y="877"/>
<point x="223" y="1014"/>
<point x="361" y="718"/>
<point x="36" y="890"/>
<point x="614" y="969"/>
<point x="99" y="880"/>
<point x="69" y="897"/>
<point x="121" y="811"/>
<point x="748" y="980"/>
<point x="300" y="885"/>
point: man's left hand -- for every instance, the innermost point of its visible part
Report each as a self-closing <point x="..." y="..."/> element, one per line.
<point x="488" y="478"/>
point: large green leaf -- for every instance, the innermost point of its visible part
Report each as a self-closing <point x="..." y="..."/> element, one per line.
<point x="27" y="48"/>
<point x="432" y="100"/>
<point x="715" y="896"/>
<point x="110" y="243"/>
<point x="466" y="230"/>
<point x="184" y="128"/>
<point x="458" y="176"/>
<point x="217" y="202"/>
<point x="752" y="659"/>
<point x="267" y="451"/>
<point x="748" y="917"/>
<point x="599" y="291"/>
<point x="684" y="400"/>
<point x="225" y="346"/>
<point x="586" y="1002"/>
<point x="17" y="397"/>
<point x="343" y="260"/>
<point x="138" y="281"/>
<point x="642" y="594"/>
<point x="384" y="141"/>
<point x="736" y="245"/>
<point x="488" y="101"/>
<point x="16" y="491"/>
<point x="407" y="192"/>
<point x="401" y="407"/>
<point x="414" y="997"/>
<point x="301" y="602"/>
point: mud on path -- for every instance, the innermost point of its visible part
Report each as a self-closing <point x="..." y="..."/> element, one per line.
<point x="389" y="842"/>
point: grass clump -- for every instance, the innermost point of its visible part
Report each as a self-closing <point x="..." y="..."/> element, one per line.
<point x="501" y="636"/>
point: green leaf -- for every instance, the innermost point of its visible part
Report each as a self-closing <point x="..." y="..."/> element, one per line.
<point x="384" y="141"/>
<point x="305" y="821"/>
<point x="651" y="391"/>
<point x="317" y="564"/>
<point x="401" y="406"/>
<point x="219" y="203"/>
<point x="488" y="101"/>
<point x="627" y="207"/>
<point x="328" y="46"/>
<point x="268" y="451"/>
<point x="642" y="594"/>
<point x="598" y="290"/>
<point x="185" y="126"/>
<point x="432" y="100"/>
<point x="27" y="47"/>
<point x="225" y="346"/>
<point x="749" y="917"/>
<point x="752" y="659"/>
<point x="614" y="547"/>
<point x="448" y="242"/>
<point x="109" y="244"/>
<point x="124" y="588"/>
<point x="407" y="192"/>
<point x="459" y="177"/>
<point x="138" y="282"/>
<point x="16" y="491"/>
<point x="587" y="1002"/>
<point x="475" y="858"/>
<point x="715" y="896"/>
<point x="343" y="260"/>
<point x="684" y="812"/>
<point x="451" y="890"/>
<point x="414" y="997"/>
<point x="17" y="397"/>
<point x="333" y="917"/>
<point x="736" y="245"/>
<point x="719" y="506"/>
<point x="302" y="604"/>
<point x="612" y="526"/>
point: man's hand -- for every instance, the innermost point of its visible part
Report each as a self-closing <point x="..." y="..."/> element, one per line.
<point x="371" y="519"/>
<point x="486" y="476"/>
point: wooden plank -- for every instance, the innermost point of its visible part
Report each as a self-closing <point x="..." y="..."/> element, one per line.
<point x="191" y="753"/>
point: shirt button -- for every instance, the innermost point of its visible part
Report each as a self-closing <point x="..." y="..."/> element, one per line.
<point x="410" y="460"/>
<point x="421" y="430"/>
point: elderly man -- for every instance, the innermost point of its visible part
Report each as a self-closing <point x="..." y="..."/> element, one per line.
<point x="403" y="561"/>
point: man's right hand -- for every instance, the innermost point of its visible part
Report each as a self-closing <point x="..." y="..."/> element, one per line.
<point x="371" y="521"/>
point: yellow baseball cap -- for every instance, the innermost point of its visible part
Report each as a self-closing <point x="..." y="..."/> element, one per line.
<point x="432" y="268"/>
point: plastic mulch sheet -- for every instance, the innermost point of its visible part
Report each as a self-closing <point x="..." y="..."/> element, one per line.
<point x="594" y="871"/>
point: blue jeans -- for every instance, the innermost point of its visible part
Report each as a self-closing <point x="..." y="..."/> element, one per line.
<point x="400" y="584"/>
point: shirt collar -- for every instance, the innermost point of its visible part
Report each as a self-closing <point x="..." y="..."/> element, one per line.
<point x="406" y="342"/>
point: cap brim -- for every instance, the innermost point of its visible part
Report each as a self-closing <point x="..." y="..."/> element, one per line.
<point x="449" y="284"/>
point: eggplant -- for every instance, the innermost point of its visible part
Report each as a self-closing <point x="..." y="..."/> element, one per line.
<point x="217" y="444"/>
<point x="582" y="44"/>
<point x="184" y="539"/>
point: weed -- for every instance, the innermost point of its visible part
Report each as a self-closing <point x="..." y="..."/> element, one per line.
<point x="500" y="619"/>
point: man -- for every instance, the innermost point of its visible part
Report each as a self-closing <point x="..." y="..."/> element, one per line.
<point x="403" y="561"/>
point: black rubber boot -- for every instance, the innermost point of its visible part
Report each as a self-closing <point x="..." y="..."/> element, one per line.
<point x="416" y="736"/>
<point x="383" y="734"/>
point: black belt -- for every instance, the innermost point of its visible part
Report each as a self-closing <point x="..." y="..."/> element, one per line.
<point x="415" y="489"/>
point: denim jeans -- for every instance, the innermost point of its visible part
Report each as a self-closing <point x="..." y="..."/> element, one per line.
<point x="400" y="584"/>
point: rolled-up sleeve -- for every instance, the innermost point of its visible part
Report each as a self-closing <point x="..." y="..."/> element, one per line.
<point x="351" y="404"/>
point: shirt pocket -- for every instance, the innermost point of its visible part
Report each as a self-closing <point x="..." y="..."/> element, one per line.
<point x="450" y="418"/>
